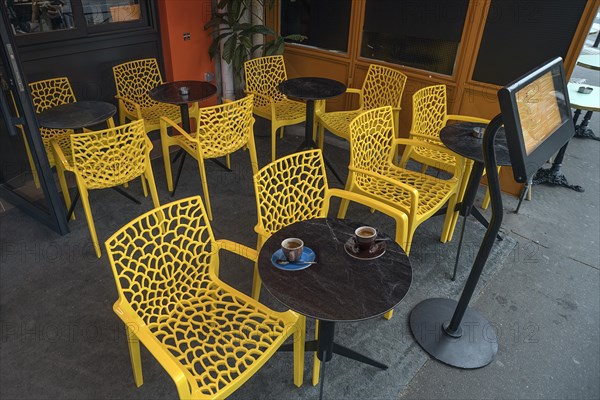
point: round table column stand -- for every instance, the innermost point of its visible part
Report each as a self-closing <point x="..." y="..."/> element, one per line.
<point x="468" y="340"/>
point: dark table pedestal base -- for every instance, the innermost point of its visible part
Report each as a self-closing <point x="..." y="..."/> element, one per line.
<point x="554" y="177"/>
<point x="326" y="347"/>
<point x="473" y="346"/>
<point x="582" y="130"/>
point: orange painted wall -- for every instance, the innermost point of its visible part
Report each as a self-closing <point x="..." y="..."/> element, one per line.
<point x="185" y="60"/>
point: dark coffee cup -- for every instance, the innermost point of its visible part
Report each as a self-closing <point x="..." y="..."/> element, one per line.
<point x="365" y="237"/>
<point x="292" y="249"/>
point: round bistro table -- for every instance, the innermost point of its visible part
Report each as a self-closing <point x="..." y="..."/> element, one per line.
<point x="339" y="287"/>
<point x="312" y="89"/>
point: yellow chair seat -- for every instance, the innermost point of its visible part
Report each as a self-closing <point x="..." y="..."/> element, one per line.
<point x="425" y="155"/>
<point x="209" y="337"/>
<point x="152" y="114"/>
<point x="432" y="191"/>
<point x="284" y="110"/>
<point x="338" y="122"/>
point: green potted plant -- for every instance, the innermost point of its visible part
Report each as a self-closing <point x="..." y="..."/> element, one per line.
<point x="235" y="26"/>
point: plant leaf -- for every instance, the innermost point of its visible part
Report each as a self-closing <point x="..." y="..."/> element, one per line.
<point x="229" y="49"/>
<point x="295" y="37"/>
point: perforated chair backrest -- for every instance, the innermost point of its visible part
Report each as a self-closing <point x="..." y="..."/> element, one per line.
<point x="135" y="79"/>
<point x="51" y="93"/>
<point x="263" y="75"/>
<point x="110" y="157"/>
<point x="291" y="189"/>
<point x="429" y="110"/>
<point x="163" y="257"/>
<point x="225" y="128"/>
<point x="383" y="86"/>
<point x="371" y="136"/>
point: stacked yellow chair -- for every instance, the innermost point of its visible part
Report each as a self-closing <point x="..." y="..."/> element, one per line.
<point x="294" y="188"/>
<point x="263" y="76"/>
<point x="133" y="81"/>
<point x="209" y="337"/>
<point x="383" y="86"/>
<point x="221" y="130"/>
<point x="372" y="172"/>
<point x="105" y="159"/>
<point x="430" y="115"/>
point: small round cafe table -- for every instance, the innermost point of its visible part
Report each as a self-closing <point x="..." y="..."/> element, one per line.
<point x="339" y="287"/>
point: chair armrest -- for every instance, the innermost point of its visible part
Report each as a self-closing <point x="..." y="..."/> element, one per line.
<point x="354" y="90"/>
<point x="424" y="136"/>
<point x="466" y="118"/>
<point x="399" y="216"/>
<point x="59" y="156"/>
<point x="238" y="249"/>
<point x="129" y="104"/>
<point x="262" y="231"/>
<point x="164" y="121"/>
<point x="154" y="346"/>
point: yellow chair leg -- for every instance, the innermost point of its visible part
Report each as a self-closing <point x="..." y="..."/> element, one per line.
<point x="316" y="361"/>
<point x="164" y="140"/>
<point x="321" y="136"/>
<point x="451" y="215"/>
<point x="64" y="188"/>
<point x="281" y="132"/>
<point x="205" y="187"/>
<point x="134" y="353"/>
<point x="299" y="339"/>
<point x="111" y="122"/>
<point x="152" y="185"/>
<point x="228" y="161"/>
<point x="388" y="315"/>
<point x="405" y="156"/>
<point x="273" y="139"/>
<point x="144" y="187"/>
<point x="423" y="168"/>
<point x="88" y="215"/>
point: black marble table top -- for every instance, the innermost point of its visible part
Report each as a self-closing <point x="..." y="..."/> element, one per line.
<point x="311" y="88"/>
<point x="339" y="287"/>
<point x="77" y="115"/>
<point x="169" y="92"/>
<point x="458" y="138"/>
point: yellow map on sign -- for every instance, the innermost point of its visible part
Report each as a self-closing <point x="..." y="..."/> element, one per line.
<point x="539" y="111"/>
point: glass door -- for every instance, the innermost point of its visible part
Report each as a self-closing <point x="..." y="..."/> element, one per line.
<point x="26" y="180"/>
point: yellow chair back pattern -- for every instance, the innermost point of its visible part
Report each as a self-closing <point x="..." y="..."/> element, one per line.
<point x="135" y="79"/>
<point x="225" y="128"/>
<point x="221" y="130"/>
<point x="429" y="111"/>
<point x="291" y="189"/>
<point x="50" y="93"/>
<point x="371" y="137"/>
<point x="110" y="157"/>
<point x="208" y="336"/>
<point x="383" y="86"/>
<point x="263" y="75"/>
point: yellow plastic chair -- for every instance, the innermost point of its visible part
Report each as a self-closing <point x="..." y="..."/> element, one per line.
<point x="294" y="188"/>
<point x="373" y="173"/>
<point x="430" y="115"/>
<point x="105" y="159"/>
<point x="382" y="86"/>
<point x="133" y="81"/>
<point x="221" y="130"/>
<point x="47" y="94"/>
<point x="263" y="75"/>
<point x="209" y="337"/>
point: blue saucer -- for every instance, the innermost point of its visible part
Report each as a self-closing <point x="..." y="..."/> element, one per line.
<point x="307" y="255"/>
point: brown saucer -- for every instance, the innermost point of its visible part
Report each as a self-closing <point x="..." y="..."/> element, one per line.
<point x="375" y="251"/>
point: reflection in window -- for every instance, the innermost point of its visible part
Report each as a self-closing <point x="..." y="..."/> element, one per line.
<point x="324" y="23"/>
<point x="98" y="12"/>
<point x="39" y="16"/>
<point x="420" y="34"/>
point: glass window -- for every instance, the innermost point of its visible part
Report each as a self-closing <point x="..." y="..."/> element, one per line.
<point x="98" y="12"/>
<point x="420" y="34"/>
<point x="520" y="35"/>
<point x="39" y="16"/>
<point x="325" y="23"/>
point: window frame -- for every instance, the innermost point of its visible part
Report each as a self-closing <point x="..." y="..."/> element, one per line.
<point x="82" y="30"/>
